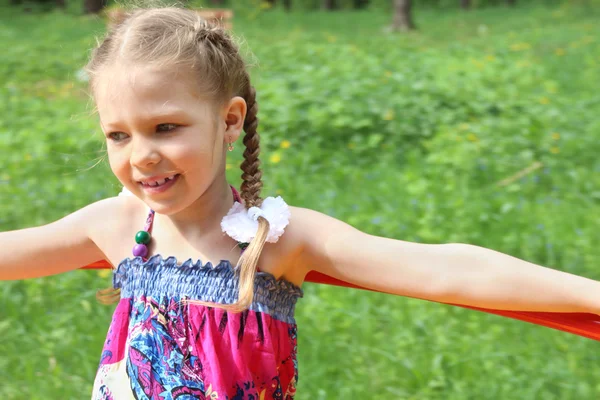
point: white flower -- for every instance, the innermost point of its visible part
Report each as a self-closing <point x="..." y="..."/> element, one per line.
<point x="242" y="224"/>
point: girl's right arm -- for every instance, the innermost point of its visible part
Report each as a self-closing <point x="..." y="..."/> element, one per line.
<point x="57" y="247"/>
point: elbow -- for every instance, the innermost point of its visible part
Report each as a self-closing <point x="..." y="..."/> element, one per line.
<point x="448" y="284"/>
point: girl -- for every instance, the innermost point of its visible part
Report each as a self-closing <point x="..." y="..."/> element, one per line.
<point x="173" y="95"/>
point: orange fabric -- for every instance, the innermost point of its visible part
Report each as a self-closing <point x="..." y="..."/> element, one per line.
<point x="582" y="324"/>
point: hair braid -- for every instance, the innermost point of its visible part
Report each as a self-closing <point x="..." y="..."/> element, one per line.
<point x="251" y="173"/>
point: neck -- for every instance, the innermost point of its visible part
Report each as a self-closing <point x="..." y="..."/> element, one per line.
<point x="202" y="218"/>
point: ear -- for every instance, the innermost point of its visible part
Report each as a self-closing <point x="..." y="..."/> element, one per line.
<point x="234" y="114"/>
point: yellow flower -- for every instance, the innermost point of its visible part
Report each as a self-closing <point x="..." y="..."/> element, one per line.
<point x="555" y="136"/>
<point x="544" y="100"/>
<point x="351" y="145"/>
<point x="265" y="5"/>
<point x="331" y="38"/>
<point x="279" y="192"/>
<point x="520" y="46"/>
<point x="471" y="137"/>
<point x="104" y="273"/>
<point x="285" y="144"/>
<point x="463" y="126"/>
<point x="388" y="74"/>
<point x="477" y="63"/>
<point x="389" y="115"/>
<point x="228" y="166"/>
<point x="27" y="157"/>
<point x="554" y="150"/>
<point x="559" y="52"/>
<point x="490" y="57"/>
<point x="275" y="158"/>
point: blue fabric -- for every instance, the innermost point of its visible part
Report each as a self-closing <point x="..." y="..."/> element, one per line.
<point x="158" y="277"/>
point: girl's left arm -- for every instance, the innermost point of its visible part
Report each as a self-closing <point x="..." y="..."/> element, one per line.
<point x="447" y="273"/>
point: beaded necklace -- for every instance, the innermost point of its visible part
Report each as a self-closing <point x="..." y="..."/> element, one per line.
<point x="143" y="237"/>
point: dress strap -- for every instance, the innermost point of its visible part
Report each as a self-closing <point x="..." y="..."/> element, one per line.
<point x="149" y="221"/>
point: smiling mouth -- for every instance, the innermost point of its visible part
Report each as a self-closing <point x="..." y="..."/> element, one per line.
<point x="159" y="182"/>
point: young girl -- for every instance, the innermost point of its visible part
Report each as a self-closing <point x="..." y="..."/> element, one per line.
<point x="205" y="307"/>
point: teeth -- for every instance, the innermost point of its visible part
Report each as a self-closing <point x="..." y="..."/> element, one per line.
<point x="160" y="182"/>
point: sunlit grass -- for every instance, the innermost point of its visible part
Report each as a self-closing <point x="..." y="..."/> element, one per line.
<point x="341" y="101"/>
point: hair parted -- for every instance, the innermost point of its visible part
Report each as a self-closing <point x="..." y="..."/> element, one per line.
<point x="176" y="37"/>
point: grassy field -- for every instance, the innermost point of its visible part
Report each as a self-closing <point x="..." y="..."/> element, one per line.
<point x="403" y="136"/>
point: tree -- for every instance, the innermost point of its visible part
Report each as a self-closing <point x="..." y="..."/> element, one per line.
<point x="402" y="20"/>
<point x="329" y="5"/>
<point x="93" y="6"/>
<point x="465" y="4"/>
<point x="358" y="4"/>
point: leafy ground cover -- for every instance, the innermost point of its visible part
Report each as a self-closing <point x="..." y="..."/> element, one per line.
<point x="411" y="137"/>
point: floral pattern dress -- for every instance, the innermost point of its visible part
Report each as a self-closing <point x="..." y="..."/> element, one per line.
<point x="160" y="347"/>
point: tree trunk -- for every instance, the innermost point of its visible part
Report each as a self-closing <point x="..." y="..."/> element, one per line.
<point x="329" y="5"/>
<point x="465" y="4"/>
<point x="511" y="3"/>
<point x="93" y="6"/>
<point x="287" y="4"/>
<point x="402" y="16"/>
<point x="359" y="4"/>
<point x="60" y="3"/>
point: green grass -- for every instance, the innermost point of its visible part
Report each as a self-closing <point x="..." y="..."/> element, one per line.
<point x="403" y="136"/>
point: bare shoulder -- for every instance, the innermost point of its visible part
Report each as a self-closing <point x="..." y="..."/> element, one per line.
<point x="112" y="220"/>
<point x="306" y="236"/>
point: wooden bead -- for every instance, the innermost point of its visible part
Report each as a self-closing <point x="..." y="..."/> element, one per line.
<point x="140" y="250"/>
<point x="142" y="237"/>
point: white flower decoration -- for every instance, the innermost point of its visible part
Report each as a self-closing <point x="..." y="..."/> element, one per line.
<point x="242" y="225"/>
<point x="125" y="192"/>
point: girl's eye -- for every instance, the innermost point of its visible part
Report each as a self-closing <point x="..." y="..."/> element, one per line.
<point x="112" y="136"/>
<point x="159" y="128"/>
<point x="166" y="127"/>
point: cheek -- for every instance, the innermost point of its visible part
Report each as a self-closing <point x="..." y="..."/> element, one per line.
<point x="199" y="155"/>
<point x="117" y="162"/>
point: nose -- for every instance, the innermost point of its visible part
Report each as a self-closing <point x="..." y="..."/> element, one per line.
<point x="144" y="152"/>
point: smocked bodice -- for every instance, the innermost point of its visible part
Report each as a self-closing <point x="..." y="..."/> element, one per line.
<point x="163" y="277"/>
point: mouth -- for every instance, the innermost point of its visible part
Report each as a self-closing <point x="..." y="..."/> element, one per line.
<point x="160" y="186"/>
<point x="159" y="182"/>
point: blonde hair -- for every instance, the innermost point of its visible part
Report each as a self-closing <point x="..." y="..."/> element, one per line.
<point x="175" y="36"/>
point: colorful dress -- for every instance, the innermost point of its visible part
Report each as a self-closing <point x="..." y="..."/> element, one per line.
<point x="159" y="347"/>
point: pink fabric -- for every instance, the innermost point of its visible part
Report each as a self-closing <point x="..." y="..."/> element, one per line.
<point x="227" y="360"/>
<point x="152" y="349"/>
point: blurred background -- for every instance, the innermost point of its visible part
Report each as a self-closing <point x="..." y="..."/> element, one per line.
<point x="438" y="121"/>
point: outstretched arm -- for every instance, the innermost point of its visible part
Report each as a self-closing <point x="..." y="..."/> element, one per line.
<point x="57" y="247"/>
<point x="447" y="273"/>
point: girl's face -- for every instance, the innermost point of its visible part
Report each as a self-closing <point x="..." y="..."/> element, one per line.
<point x="156" y="126"/>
